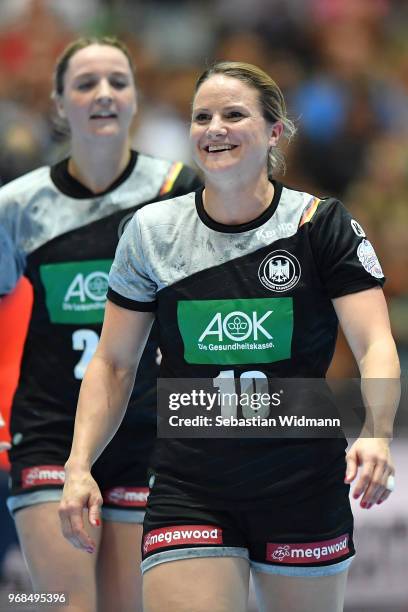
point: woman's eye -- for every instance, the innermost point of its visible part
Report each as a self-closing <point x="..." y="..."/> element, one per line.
<point x="119" y="84"/>
<point x="202" y="117"/>
<point x="234" y="115"/>
<point x="114" y="83"/>
<point x="85" y="85"/>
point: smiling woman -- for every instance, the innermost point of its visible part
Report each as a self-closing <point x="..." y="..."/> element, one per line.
<point x="95" y="94"/>
<point x="238" y="119"/>
<point x="261" y="92"/>
<point x="248" y="281"/>
<point x="59" y="227"/>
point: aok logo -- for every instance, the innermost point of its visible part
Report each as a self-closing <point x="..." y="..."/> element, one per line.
<point x="237" y="326"/>
<point x="90" y="287"/>
<point x="75" y="291"/>
<point x="247" y="330"/>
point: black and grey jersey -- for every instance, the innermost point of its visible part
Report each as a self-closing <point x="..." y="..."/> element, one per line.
<point x="63" y="237"/>
<point x="253" y="297"/>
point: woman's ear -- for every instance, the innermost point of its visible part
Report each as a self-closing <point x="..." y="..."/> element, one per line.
<point x="275" y="133"/>
<point x="59" y="105"/>
<point x="136" y="103"/>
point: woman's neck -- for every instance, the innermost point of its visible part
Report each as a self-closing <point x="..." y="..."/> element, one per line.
<point x="239" y="204"/>
<point x="97" y="169"/>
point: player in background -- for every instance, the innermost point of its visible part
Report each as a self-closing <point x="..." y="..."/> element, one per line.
<point x="59" y="226"/>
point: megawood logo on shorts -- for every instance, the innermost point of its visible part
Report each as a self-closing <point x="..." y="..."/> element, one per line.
<point x="236" y="331"/>
<point x="310" y="552"/>
<point x="181" y="534"/>
<point x="75" y="292"/>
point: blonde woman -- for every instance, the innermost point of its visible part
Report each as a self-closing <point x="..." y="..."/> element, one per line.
<point x="247" y="278"/>
<point x="59" y="226"/>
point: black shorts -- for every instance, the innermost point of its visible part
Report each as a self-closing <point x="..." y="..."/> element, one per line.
<point x="310" y="538"/>
<point x="37" y="471"/>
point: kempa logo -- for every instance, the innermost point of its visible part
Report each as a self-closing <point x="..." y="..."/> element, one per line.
<point x="279" y="271"/>
<point x="123" y="496"/>
<point x="92" y="287"/>
<point x="42" y="474"/>
<point x="357" y="229"/>
<point x="237" y="326"/>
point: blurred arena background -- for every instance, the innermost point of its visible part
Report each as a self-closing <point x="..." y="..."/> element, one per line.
<point x="343" y="67"/>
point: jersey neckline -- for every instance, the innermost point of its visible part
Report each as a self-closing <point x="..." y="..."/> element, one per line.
<point x="73" y="188"/>
<point x="241" y="227"/>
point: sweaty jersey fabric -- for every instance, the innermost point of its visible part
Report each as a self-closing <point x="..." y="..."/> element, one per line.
<point x="233" y="299"/>
<point x="63" y="237"/>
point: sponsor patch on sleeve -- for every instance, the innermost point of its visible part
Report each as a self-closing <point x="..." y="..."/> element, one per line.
<point x="368" y="259"/>
<point x="357" y="229"/>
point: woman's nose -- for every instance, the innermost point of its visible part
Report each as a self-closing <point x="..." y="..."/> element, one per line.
<point x="104" y="91"/>
<point x="216" y="127"/>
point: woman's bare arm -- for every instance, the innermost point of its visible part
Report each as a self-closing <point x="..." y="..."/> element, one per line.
<point x="103" y="399"/>
<point x="364" y="319"/>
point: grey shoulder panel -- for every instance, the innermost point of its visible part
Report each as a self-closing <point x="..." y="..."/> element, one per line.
<point x="24" y="184"/>
<point x="289" y="213"/>
<point x="145" y="182"/>
<point x="176" y="243"/>
<point x="34" y="211"/>
<point x="21" y="221"/>
<point x="147" y="252"/>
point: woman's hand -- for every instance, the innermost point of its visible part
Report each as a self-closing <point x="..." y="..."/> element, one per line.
<point x="80" y="492"/>
<point x="4" y="446"/>
<point x="373" y="455"/>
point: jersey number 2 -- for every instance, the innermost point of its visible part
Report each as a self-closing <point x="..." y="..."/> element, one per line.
<point x="84" y="340"/>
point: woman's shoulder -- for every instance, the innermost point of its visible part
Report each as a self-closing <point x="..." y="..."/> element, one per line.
<point x="172" y="210"/>
<point x="307" y="206"/>
<point x="26" y="185"/>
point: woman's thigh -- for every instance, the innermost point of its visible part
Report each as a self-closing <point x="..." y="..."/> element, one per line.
<point x="119" y="576"/>
<point x="300" y="594"/>
<point x="219" y="584"/>
<point x="53" y="563"/>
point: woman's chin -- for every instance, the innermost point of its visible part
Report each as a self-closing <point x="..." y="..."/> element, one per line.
<point x="220" y="167"/>
<point x="105" y="131"/>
